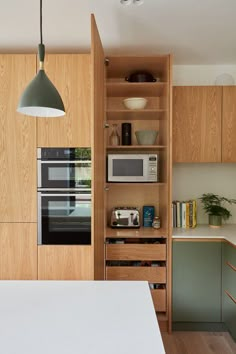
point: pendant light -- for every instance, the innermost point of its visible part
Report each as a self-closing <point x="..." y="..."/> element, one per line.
<point x="40" y="97"/>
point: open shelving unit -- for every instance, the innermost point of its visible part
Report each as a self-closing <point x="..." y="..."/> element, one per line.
<point x="144" y="253"/>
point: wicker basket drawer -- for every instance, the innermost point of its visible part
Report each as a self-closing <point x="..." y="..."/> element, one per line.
<point x="159" y="299"/>
<point x="151" y="274"/>
<point x="136" y="252"/>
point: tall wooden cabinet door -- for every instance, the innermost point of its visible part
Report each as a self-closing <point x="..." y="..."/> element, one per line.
<point x="65" y="263"/>
<point x="17" y="142"/>
<point x="197" y="123"/>
<point x="71" y="75"/>
<point x="18" y="245"/>
<point x="229" y="124"/>
<point x="98" y="150"/>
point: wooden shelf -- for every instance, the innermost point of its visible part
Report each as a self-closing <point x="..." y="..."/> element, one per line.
<point x="135" y="89"/>
<point x="137" y="147"/>
<point x="141" y="114"/>
<point x="142" y="232"/>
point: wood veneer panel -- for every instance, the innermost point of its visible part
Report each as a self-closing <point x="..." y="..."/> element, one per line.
<point x="17" y="142"/>
<point x="197" y="124"/>
<point x="71" y="75"/>
<point x="98" y="150"/>
<point x="65" y="263"/>
<point x="159" y="299"/>
<point x="136" y="252"/>
<point x="229" y="124"/>
<point x="150" y="274"/>
<point x="18" y="245"/>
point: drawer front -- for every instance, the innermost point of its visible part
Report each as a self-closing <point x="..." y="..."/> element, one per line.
<point x="135" y="252"/>
<point x="229" y="279"/>
<point x="229" y="313"/>
<point x="159" y="299"/>
<point x="151" y="274"/>
<point x="230" y="254"/>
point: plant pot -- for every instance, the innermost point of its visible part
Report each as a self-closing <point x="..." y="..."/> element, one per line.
<point x="215" y="221"/>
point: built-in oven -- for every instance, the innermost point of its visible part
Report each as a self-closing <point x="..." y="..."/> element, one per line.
<point x="64" y="196"/>
<point x="64" y="167"/>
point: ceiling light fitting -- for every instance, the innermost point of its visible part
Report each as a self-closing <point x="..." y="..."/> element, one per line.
<point x="41" y="98"/>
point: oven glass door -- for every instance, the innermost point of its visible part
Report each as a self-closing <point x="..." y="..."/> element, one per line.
<point x="61" y="174"/>
<point x="64" y="219"/>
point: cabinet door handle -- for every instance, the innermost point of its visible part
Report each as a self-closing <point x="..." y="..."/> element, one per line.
<point x="230" y="296"/>
<point x="231" y="266"/>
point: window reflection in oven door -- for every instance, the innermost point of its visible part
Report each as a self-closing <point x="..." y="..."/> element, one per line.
<point x="64" y="174"/>
<point x="64" y="218"/>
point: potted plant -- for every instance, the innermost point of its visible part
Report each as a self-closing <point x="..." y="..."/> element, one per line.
<point x="214" y="206"/>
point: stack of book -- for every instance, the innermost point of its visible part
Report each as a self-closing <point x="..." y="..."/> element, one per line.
<point x="184" y="214"/>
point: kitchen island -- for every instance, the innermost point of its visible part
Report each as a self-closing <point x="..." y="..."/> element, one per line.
<point x="78" y="317"/>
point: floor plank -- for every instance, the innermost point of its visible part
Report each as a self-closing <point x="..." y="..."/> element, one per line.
<point x="198" y="343"/>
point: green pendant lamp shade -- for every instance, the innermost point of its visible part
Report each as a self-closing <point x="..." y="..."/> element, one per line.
<point x="41" y="98"/>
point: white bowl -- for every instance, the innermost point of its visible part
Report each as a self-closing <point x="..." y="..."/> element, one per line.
<point x="146" y="137"/>
<point x="135" y="102"/>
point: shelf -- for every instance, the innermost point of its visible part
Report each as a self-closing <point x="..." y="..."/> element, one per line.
<point x="133" y="89"/>
<point x="142" y="232"/>
<point x="141" y="114"/>
<point x="136" y="147"/>
<point x="134" y="184"/>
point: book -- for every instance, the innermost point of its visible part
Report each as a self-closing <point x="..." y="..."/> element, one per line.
<point x="183" y="214"/>
<point x="187" y="214"/>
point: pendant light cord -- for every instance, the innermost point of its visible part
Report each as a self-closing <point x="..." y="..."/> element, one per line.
<point x="41" y="21"/>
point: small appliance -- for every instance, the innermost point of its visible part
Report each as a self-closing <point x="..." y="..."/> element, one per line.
<point x="132" y="168"/>
<point x="125" y="217"/>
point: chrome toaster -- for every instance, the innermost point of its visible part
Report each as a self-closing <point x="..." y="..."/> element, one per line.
<point x="125" y="217"/>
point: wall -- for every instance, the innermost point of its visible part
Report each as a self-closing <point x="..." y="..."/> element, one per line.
<point x="191" y="180"/>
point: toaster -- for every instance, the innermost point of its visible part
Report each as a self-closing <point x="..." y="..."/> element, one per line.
<point x="125" y="217"/>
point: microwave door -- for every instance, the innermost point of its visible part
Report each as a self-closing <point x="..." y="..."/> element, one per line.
<point x="127" y="169"/>
<point x="61" y="174"/>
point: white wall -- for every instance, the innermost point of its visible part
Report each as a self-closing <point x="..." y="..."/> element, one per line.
<point x="192" y="180"/>
<point x="200" y="74"/>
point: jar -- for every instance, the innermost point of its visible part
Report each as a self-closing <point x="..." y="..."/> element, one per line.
<point x="114" y="139"/>
<point x="156" y="222"/>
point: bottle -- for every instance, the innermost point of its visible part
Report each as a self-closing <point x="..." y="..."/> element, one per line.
<point x="126" y="133"/>
<point x="156" y="222"/>
<point x="114" y="138"/>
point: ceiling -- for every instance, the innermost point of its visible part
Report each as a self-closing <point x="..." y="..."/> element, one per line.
<point x="194" y="31"/>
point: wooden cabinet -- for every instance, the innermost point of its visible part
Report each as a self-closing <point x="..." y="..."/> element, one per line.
<point x="196" y="283"/>
<point x="18" y="245"/>
<point x="197" y="123"/>
<point x="17" y="142"/>
<point x="65" y="263"/>
<point x="229" y="287"/>
<point x="144" y="254"/>
<point x="229" y="124"/>
<point x="71" y="74"/>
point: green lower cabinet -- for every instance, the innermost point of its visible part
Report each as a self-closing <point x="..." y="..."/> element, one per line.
<point x="196" y="282"/>
<point x="229" y="286"/>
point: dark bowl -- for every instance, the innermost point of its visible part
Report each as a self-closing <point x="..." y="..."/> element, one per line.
<point x="140" y="76"/>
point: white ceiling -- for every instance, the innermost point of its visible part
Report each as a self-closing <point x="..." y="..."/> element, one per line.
<point x="194" y="31"/>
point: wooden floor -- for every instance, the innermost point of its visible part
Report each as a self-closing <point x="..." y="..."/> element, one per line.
<point x="198" y="343"/>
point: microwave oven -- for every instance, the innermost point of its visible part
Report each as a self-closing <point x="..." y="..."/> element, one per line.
<point x="132" y="168"/>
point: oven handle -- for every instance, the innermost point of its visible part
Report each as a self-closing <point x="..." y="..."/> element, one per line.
<point x="87" y="196"/>
<point x="65" y="161"/>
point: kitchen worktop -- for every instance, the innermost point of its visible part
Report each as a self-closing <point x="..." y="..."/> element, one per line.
<point x="75" y="317"/>
<point x="226" y="232"/>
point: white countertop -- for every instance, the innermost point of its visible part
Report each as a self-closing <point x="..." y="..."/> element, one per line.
<point x="78" y="317"/>
<point x="227" y="232"/>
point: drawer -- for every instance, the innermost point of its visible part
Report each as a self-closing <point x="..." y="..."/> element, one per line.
<point x="135" y="252"/>
<point x="151" y="274"/>
<point x="229" y="313"/>
<point x="230" y="254"/>
<point x="229" y="279"/>
<point x="159" y="299"/>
